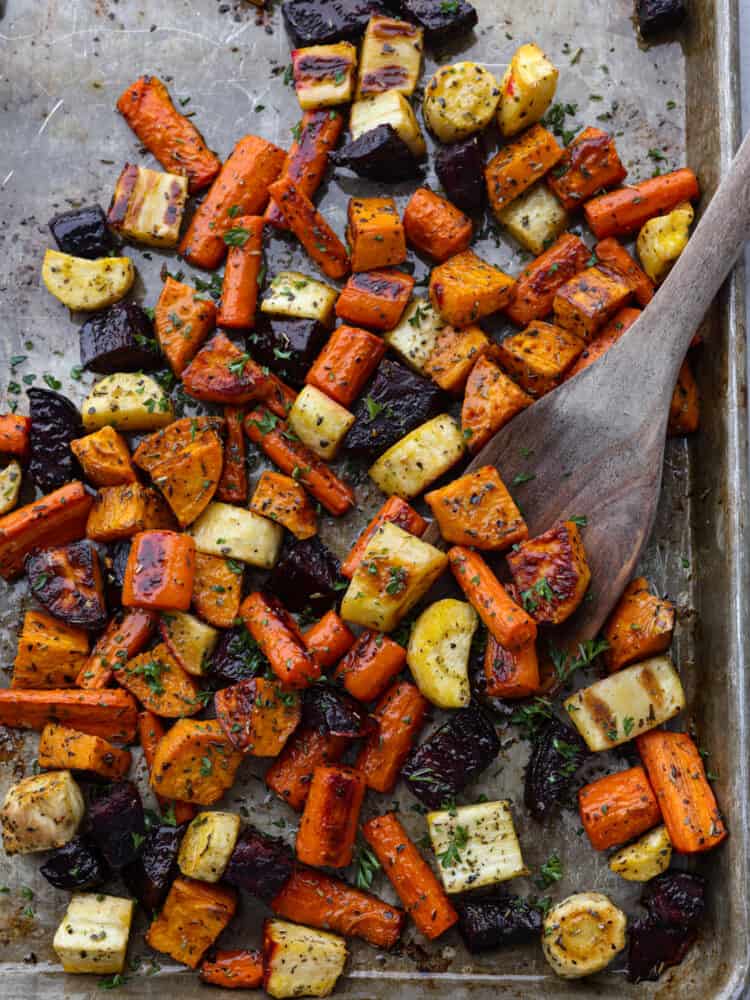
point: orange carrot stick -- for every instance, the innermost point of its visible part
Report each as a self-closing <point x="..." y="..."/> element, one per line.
<point x="109" y="714"/>
<point x="511" y="673"/>
<point x="687" y="801"/>
<point x="328" y="640"/>
<point x="290" y="774"/>
<point x="394" y="510"/>
<point x="124" y="637"/>
<point x="311" y="229"/>
<point x="617" y="808"/>
<point x="375" y="299"/>
<point x="296" y="460"/>
<point x="608" y="336"/>
<point x="239" y="290"/>
<point x="315" y="136"/>
<point x="623" y="211"/>
<point x="55" y="519"/>
<point x="317" y="900"/>
<point x="509" y="623"/>
<point x="232" y="486"/>
<point x="150" y="731"/>
<point x="14" y="435"/>
<point x="330" y="818"/>
<point x="612" y="256"/>
<point x="234" y="970"/>
<point x="400" y="714"/>
<point x="275" y="631"/>
<point x="412" y="878"/>
<point x="345" y="364"/>
<point x="240" y="189"/>
<point x="370" y="665"/>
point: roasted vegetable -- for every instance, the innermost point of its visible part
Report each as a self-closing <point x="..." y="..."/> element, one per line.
<point x="375" y="299"/>
<point x="417" y="460"/>
<point x="551" y="572"/>
<point x="14" y="435"/>
<point x="652" y="950"/>
<point x="306" y="575"/>
<point x="537" y="285"/>
<point x="189" y="477"/>
<point x="75" y="865"/>
<point x="647" y="857"/>
<point x="394" y="510"/>
<point x="379" y="154"/>
<point x="257" y="716"/>
<point x="389" y="108"/>
<point x="506" y="620"/>
<point x="310" y="227"/>
<point x="82" y="232"/>
<point x="330" y="818"/>
<point x="441" y="22"/>
<point x="556" y="755"/>
<point x="151" y="874"/>
<point x="328" y="640"/>
<point x="477" y="509"/>
<point x="235" y="969"/>
<point x="208" y="844"/>
<point x="117" y="825"/>
<point x="438" y="654"/>
<point x="62" y="748"/>
<point x="434" y="226"/>
<point x="120" y="512"/>
<point x="49" y="654"/>
<point x="324" y="75"/>
<point x="282" y="499"/>
<point x="661" y="241"/>
<point x="158" y="681"/>
<point x="376" y="233"/>
<point x="466" y="288"/>
<point x="590" y="165"/>
<point x="589" y="300"/>
<point x="400" y="714"/>
<point x="496" y="920"/>
<point x="319" y="422"/>
<point x="582" y="934"/>
<point x="510" y="673"/>
<point x="217" y="588"/>
<point x="451" y="757"/>
<point x="316" y="22"/>
<point x="390" y="57"/>
<point x="41" y="812"/>
<point x="160" y="569"/>
<point x="617" y="808"/>
<point x="625" y="210"/>
<point x="182" y="322"/>
<point x="535" y="219"/>
<point x="55" y="423"/>
<point x="289" y="776"/>
<point x="236" y="656"/>
<point x="287" y="346"/>
<point x="110" y="714"/>
<point x="93" y="934"/>
<point x="490" y="401"/>
<point x="519" y="164"/>
<point x="454" y="354"/>
<point x="370" y="665"/>
<point x="659" y="15"/>
<point x="222" y="373"/>
<point x="151" y="732"/>
<point x="526" y="89"/>
<point x="460" y="99"/>
<point x="67" y="580"/>
<point x="189" y="640"/>
<point x="194" y="762"/>
<point x="280" y="639"/>
<point x="147" y="206"/>
<point x="86" y="285"/>
<point x="259" y="864"/>
<point x="675" y="899"/>
<point x="193" y="916"/>
<point x="127" y="402"/>
<point x="298" y="961"/>
<point x="104" y="457"/>
<point x="640" y="626"/>
<point x="460" y="169"/>
<point x="297" y="296"/>
<point x="331" y="711"/>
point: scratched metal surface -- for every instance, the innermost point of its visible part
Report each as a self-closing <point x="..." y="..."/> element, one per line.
<point x="62" y="65"/>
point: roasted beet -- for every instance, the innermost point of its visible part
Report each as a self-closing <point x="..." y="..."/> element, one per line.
<point x="318" y="22"/>
<point x="460" y="169"/>
<point x="237" y="657"/>
<point x="441" y="20"/>
<point x="67" y="580"/>
<point x="653" y="949"/>
<point x="332" y="711"/>
<point x="491" y="921"/>
<point x="395" y="402"/>
<point x="675" y="898"/>
<point x="153" y="871"/>
<point x="306" y="576"/>
<point x="259" y="864"/>
<point x="287" y="346"/>
<point x="556" y="755"/>
<point x="119" y="339"/>
<point x="117" y="824"/>
<point x="77" y="865"/>
<point x="380" y="155"/>
<point x="452" y="757"/>
<point x="55" y="422"/>
<point x="82" y="232"/>
<point x="659" y="15"/>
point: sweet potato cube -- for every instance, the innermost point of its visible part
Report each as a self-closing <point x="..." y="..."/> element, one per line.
<point x="217" y="588"/>
<point x="375" y="299"/>
<point x="510" y="673"/>
<point x="64" y="749"/>
<point x="258" y="716"/>
<point x="194" y="762"/>
<point x="537" y="284"/>
<point x="490" y="401"/>
<point x="602" y="342"/>
<point x="193" y="916"/>
<point x="284" y="500"/>
<point x="539" y="356"/>
<point x="182" y="322"/>
<point x="465" y="288"/>
<point x="454" y="355"/>
<point x="684" y="410"/>
<point x="551" y="573"/>
<point x="590" y="164"/>
<point x="190" y="478"/>
<point x="50" y="653"/>
<point x="478" y="510"/>
<point x="375" y="233"/>
<point x="435" y="226"/>
<point x="159" y="572"/>
<point x="158" y="681"/>
<point x="612" y="256"/>
<point x="104" y="458"/>
<point x="519" y="164"/>
<point x="122" y="511"/>
<point x="585" y="303"/>
<point x="641" y="626"/>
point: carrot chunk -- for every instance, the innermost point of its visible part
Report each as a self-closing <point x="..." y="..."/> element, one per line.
<point x="55" y="519"/>
<point x="345" y="364"/>
<point x="370" y="665"/>
<point x="617" y="808"/>
<point x="329" y="821"/>
<point x="276" y="632"/>
<point x="290" y="774"/>
<point x="15" y="431"/>
<point x="109" y="714"/>
<point x="311" y="229"/>
<point x="328" y="640"/>
<point x="435" y="226"/>
<point x="239" y="290"/>
<point x="375" y="299"/>
<point x="684" y="410"/>
<point x="159" y="572"/>
<point x="125" y="637"/>
<point x="232" y="486"/>
<point x="234" y="970"/>
<point x="222" y="373"/>
<point x="394" y="510"/>
<point x="625" y="210"/>
<point x="400" y="714"/>
<point x="375" y="233"/>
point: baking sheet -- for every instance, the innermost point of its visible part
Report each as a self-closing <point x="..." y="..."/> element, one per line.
<point x="62" y="65"/>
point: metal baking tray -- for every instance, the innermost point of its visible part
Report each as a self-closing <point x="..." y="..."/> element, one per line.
<point x="62" y="65"/>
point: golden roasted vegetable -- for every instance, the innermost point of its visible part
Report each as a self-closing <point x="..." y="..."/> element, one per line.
<point x="82" y="284"/>
<point x="454" y="355"/>
<point x="298" y="296"/>
<point x="476" y="509"/>
<point x="526" y="89"/>
<point x="41" y="812"/>
<point x="194" y="762"/>
<point x="63" y="748"/>
<point x="208" y="844"/>
<point x="189" y="640"/>
<point x="193" y="916"/>
<point x="460" y="100"/>
<point x="551" y="572"/>
<point x="148" y="206"/>
<point x="93" y="934"/>
<point x="644" y="859"/>
<point x="127" y="401"/>
<point x="418" y="459"/>
<point x="589" y="300"/>
<point x="324" y="75"/>
<point x="640" y="626"/>
<point x="415" y="337"/>
<point x="217" y="588"/>
<point x="281" y="498"/>
<point x="661" y="241"/>
<point x="319" y="421"/>
<point x="536" y="218"/>
<point x="299" y="961"/>
<point x="538" y="357"/>
<point x="226" y="530"/>
<point x="391" y="57"/>
<point x="104" y="458"/>
<point x="50" y="653"/>
<point x="466" y="288"/>
<point x="122" y="511"/>
<point x="438" y="654"/>
<point x="190" y="477"/>
<point x="582" y="934"/>
<point x="10" y="486"/>
<point x="389" y="108"/>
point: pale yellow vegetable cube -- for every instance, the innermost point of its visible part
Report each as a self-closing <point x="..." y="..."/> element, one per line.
<point x="389" y="108"/>
<point x="148" y="206"/>
<point x="127" y="401"/>
<point x="411" y="464"/>
<point x="208" y="844"/>
<point x="300" y="961"/>
<point x="646" y="858"/>
<point x="229" y="531"/>
<point x="84" y="284"/>
<point x="41" y="812"/>
<point x="319" y="421"/>
<point x="391" y="57"/>
<point x="661" y="241"/>
<point x="535" y="219"/>
<point x="93" y="935"/>
<point x="416" y="335"/>
<point x="324" y="74"/>
<point x="526" y="89"/>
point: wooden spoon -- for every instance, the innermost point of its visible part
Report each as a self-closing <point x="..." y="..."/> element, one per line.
<point x="595" y="445"/>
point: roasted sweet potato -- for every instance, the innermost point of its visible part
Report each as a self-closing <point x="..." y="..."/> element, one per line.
<point x="14" y="435"/>
<point x="684" y="410"/>
<point x="538" y="357"/>
<point x="217" y="588"/>
<point x="104" y="458"/>
<point x="490" y="401"/>
<point x="465" y="288"/>
<point x="311" y="229"/>
<point x="182" y="322"/>
<point x="151" y="731"/>
<point x="194" y="762"/>
<point x="612" y="256"/>
<point x="159" y="683"/>
<point x="67" y="580"/>
<point x="233" y="970"/>
<point x="641" y="626"/>
<point x="257" y="716"/>
<point x="585" y="303"/>
<point x="590" y="165"/>
<point x="125" y="637"/>
<point x="551" y="572"/>
<point x="538" y="283"/>
<point x="221" y="373"/>
<point x="63" y="748"/>
<point x="120" y="512"/>
<point x="375" y="233"/>
<point x="330" y="817"/>
<point x="345" y="364"/>
<point x="608" y="336"/>
<point x="50" y="653"/>
<point x="55" y="519"/>
<point x="109" y="714"/>
<point x="284" y="500"/>
<point x="454" y="355"/>
<point x="193" y="916"/>
<point x="375" y="299"/>
<point x="519" y="164"/>
<point x="160" y="571"/>
<point x="189" y="479"/>
<point x="436" y="227"/>
<point x="173" y="439"/>
<point x="478" y="510"/>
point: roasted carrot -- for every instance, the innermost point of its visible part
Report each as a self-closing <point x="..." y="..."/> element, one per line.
<point x="519" y="164"/>
<point x="159" y="572"/>
<point x="314" y="138"/>
<point x="370" y="665"/>
<point x="290" y="774"/>
<point x="400" y="714"/>
<point x="394" y="510"/>
<point x="182" y="322"/>
<point x="685" y="797"/>
<point x="284" y="500"/>
<point x="234" y="970"/>
<point x="375" y="299"/>
<point x="240" y="189"/>
<point x="491" y="399"/>
<point x="311" y="229"/>
<point x="64" y="748"/>
<point x="124" y="637"/>
<point x="55" y="519"/>
<point x="435" y="226"/>
<point x="608" y="336"/>
<point x="640" y="626"/>
<point x="412" y="878"/>
<point x="150" y="732"/>
<point x="330" y="818"/>
<point x="684" y="410"/>
<point x="14" y="435"/>
<point x="276" y="632"/>
<point x="537" y="284"/>
<point x="590" y="164"/>
<point x="296" y="460"/>
<point x="171" y="137"/>
<point x="618" y="807"/>
<point x="623" y="211"/>
<point x="232" y="486"/>
<point x="314" y="899"/>
<point x="345" y="364"/>
<point x="612" y="256"/>
<point x="239" y="289"/>
<point x="109" y="714"/>
<point x="506" y="620"/>
<point x="328" y="640"/>
<point x="511" y="673"/>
